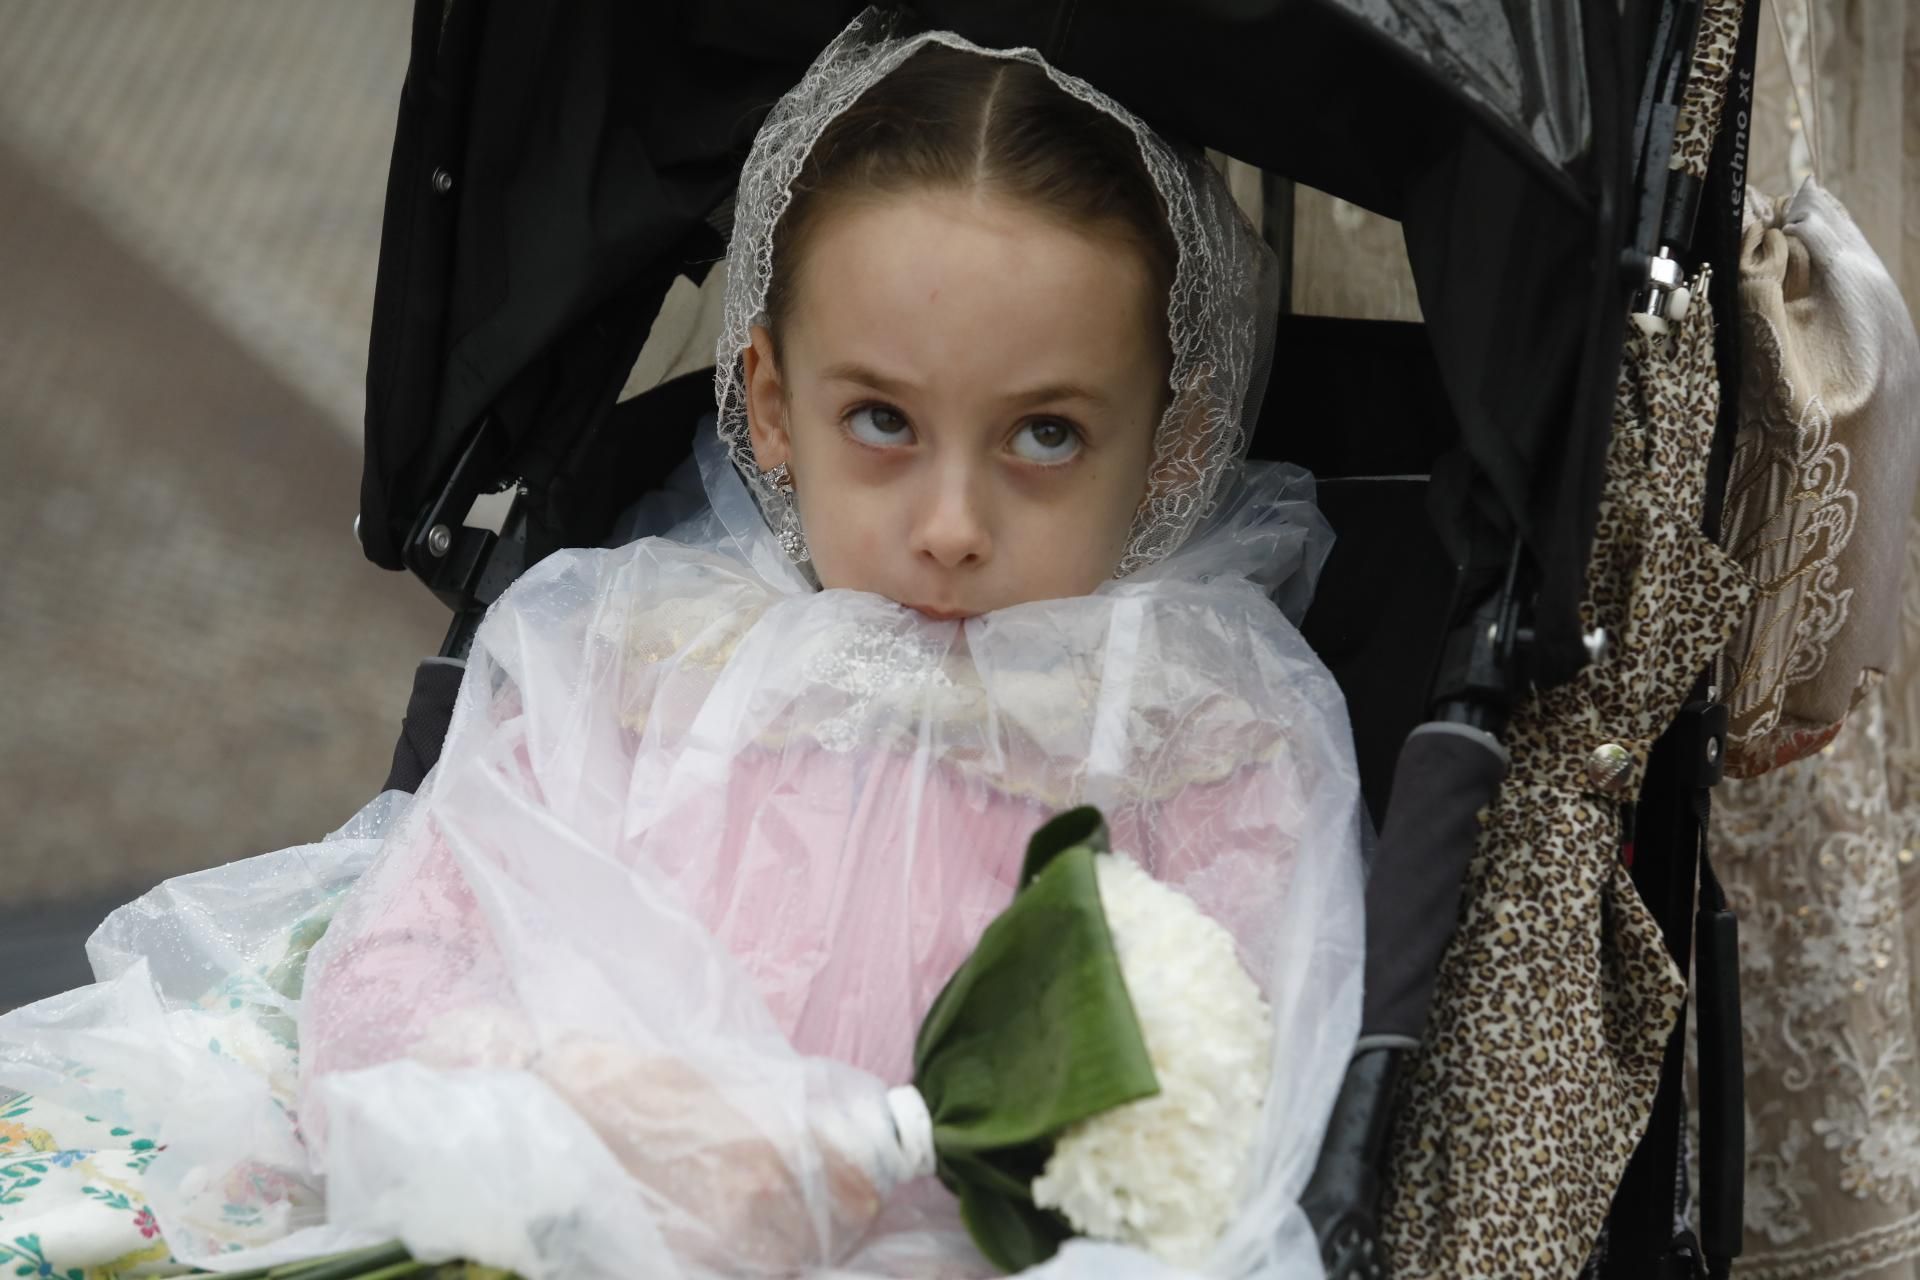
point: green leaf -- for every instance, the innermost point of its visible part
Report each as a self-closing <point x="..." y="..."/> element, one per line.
<point x="1034" y="1033"/>
<point x="381" y="1262"/>
<point x="1074" y="828"/>
<point x="396" y="1271"/>
<point x="347" y="1266"/>
<point x="1009" y="1230"/>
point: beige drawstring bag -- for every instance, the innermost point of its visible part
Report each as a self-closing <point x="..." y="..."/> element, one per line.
<point x="1823" y="476"/>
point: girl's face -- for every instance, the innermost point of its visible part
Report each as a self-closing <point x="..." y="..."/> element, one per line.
<point x="966" y="397"/>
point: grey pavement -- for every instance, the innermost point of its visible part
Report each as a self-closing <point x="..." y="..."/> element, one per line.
<point x="196" y="662"/>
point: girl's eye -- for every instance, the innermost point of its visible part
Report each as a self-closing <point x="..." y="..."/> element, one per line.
<point x="1047" y="440"/>
<point x="878" y="425"/>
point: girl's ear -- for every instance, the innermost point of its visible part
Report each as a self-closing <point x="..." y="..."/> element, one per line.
<point x="766" y="402"/>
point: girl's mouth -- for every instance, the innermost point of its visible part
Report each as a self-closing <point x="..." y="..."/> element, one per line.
<point x="940" y="615"/>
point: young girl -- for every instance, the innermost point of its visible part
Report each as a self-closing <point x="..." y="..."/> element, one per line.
<point x="625" y="988"/>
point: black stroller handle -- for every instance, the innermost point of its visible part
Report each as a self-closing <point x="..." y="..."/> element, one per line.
<point x="1342" y="1200"/>
<point x="1449" y="771"/>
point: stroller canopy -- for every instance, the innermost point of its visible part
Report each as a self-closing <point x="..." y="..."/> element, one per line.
<point x="555" y="168"/>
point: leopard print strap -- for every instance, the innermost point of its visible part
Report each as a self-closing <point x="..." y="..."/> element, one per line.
<point x="1555" y="1000"/>
<point x="1706" y="91"/>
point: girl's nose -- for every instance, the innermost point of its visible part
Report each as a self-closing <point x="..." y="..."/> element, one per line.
<point x="950" y="528"/>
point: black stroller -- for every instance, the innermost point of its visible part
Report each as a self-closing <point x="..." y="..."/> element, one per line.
<point x="557" y="167"/>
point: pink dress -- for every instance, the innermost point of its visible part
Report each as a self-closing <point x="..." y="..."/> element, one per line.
<point x="848" y="956"/>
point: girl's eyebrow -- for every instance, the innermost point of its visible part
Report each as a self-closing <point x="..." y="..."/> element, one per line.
<point x="1053" y="393"/>
<point x="861" y="375"/>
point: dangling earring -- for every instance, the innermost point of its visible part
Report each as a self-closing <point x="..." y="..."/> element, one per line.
<point x="786" y="514"/>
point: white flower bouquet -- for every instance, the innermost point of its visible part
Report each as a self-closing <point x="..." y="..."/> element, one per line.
<point x="1164" y="1172"/>
<point x="1098" y="1065"/>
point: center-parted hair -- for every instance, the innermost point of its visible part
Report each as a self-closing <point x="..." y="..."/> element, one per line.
<point x="950" y="120"/>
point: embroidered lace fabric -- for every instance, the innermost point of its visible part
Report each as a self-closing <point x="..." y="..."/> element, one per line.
<point x="1818" y="855"/>
<point x="1790" y="513"/>
<point x="1219" y="311"/>
<point x="1821" y="854"/>
<point x="1819" y="858"/>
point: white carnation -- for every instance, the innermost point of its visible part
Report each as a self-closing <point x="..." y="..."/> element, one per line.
<point x="1165" y="1173"/>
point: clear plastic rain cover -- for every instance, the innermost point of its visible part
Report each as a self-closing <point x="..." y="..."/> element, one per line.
<point x="628" y="981"/>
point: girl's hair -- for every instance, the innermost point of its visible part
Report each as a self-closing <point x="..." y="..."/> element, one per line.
<point x="947" y="119"/>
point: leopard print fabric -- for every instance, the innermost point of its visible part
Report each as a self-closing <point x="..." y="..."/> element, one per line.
<point x="1556" y="998"/>
<point x="1706" y="91"/>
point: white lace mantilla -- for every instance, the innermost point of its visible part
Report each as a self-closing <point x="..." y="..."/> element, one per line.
<point x="1218" y="311"/>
